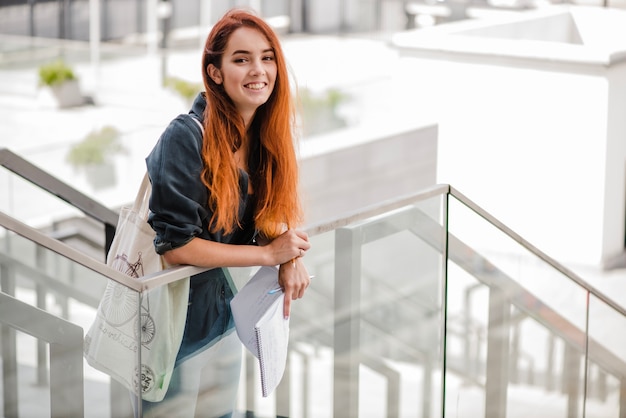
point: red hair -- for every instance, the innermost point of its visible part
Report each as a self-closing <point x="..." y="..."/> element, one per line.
<point x="276" y="187"/>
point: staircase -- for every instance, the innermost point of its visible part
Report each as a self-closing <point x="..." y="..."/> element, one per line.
<point x="422" y="306"/>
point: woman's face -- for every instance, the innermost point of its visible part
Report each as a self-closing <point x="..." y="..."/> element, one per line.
<point x="248" y="70"/>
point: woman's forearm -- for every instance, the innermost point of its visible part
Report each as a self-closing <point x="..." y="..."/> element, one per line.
<point x="204" y="253"/>
<point x="211" y="254"/>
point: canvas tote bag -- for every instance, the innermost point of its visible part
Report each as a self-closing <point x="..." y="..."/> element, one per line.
<point x="112" y="343"/>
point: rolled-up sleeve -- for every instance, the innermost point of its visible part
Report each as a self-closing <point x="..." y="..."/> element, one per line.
<point x="178" y="204"/>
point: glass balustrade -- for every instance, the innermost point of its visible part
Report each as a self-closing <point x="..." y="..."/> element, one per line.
<point x="520" y="343"/>
<point x="421" y="309"/>
<point x="30" y="204"/>
<point x="47" y="304"/>
<point x="605" y="390"/>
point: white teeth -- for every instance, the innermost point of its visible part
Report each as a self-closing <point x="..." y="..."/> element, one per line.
<point x="256" y="86"/>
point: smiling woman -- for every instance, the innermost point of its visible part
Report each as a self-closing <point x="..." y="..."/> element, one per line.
<point x="225" y="194"/>
<point x="248" y="71"/>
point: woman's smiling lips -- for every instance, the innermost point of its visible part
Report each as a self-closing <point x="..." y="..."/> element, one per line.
<point x="255" y="86"/>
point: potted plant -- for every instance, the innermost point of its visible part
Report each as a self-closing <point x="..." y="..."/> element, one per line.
<point x="62" y="82"/>
<point x="320" y="112"/>
<point x="185" y="89"/>
<point x="94" y="155"/>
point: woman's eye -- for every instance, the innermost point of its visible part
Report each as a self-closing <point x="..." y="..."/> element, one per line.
<point x="268" y="58"/>
<point x="240" y="60"/>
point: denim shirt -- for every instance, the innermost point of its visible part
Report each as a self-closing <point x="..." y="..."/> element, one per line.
<point x="179" y="202"/>
<point x="179" y="212"/>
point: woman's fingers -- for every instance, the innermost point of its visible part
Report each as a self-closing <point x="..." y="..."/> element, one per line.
<point x="290" y="245"/>
<point x="294" y="283"/>
<point x="287" y="307"/>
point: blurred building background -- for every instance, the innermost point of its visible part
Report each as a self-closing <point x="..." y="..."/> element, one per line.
<point x="365" y="64"/>
<point x="519" y="104"/>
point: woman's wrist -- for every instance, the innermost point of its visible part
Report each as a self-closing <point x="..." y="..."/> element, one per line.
<point x="292" y="264"/>
<point x="267" y="256"/>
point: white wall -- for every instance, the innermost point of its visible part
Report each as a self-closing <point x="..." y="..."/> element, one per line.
<point x="540" y="143"/>
<point x="615" y="177"/>
<point x="350" y="169"/>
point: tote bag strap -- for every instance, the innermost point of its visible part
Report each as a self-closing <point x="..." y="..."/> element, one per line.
<point x="140" y="206"/>
<point x="198" y="122"/>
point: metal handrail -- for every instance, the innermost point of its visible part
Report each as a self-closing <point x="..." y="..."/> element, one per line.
<point x="92" y="208"/>
<point x="170" y="275"/>
<point x="537" y="252"/>
<point x="56" y="187"/>
<point x="173" y="274"/>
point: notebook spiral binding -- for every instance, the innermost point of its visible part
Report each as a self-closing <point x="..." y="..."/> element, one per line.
<point x="261" y="362"/>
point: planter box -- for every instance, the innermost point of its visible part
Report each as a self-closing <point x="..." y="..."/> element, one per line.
<point x="64" y="95"/>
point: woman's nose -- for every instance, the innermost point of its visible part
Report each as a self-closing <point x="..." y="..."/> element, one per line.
<point x="257" y="69"/>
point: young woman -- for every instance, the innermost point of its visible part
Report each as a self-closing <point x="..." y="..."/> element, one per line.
<point x="225" y="194"/>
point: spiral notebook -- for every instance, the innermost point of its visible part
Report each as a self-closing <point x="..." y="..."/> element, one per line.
<point x="261" y="326"/>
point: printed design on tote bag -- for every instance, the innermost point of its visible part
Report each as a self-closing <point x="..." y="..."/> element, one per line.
<point x="134" y="270"/>
<point x="122" y="330"/>
<point x="147" y="379"/>
<point x="119" y="303"/>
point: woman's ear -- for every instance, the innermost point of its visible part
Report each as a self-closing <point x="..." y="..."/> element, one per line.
<point x="214" y="73"/>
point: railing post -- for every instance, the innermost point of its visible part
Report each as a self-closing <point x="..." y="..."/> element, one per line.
<point x="601" y="386"/>
<point x="250" y="384"/>
<point x="66" y="377"/>
<point x="8" y="347"/>
<point x="571" y="379"/>
<point x="347" y="322"/>
<point x="471" y="352"/>
<point x="498" y="347"/>
<point x="42" y="352"/>
<point x="66" y="355"/>
<point x="283" y="398"/>
<point x="622" y="397"/>
<point x="427" y="387"/>
<point x="306" y="387"/>
<point x="514" y="366"/>
<point x="119" y="400"/>
<point x="550" y="366"/>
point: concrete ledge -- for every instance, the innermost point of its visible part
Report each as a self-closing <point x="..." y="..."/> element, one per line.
<point x="535" y="36"/>
<point x="353" y="168"/>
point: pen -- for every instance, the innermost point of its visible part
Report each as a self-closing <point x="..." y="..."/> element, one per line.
<point x="279" y="289"/>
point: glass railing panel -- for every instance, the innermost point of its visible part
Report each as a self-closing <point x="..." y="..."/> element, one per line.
<point x="106" y="164"/>
<point x="606" y="380"/>
<point x="524" y="320"/>
<point x="30" y="204"/>
<point x="48" y="304"/>
<point x="107" y="176"/>
<point x="465" y="357"/>
<point x="367" y="338"/>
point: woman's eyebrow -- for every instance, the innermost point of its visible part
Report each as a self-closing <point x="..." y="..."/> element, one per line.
<point x="242" y="51"/>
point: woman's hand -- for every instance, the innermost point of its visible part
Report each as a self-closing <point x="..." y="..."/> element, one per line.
<point x="293" y="279"/>
<point x="287" y="250"/>
<point x="287" y="246"/>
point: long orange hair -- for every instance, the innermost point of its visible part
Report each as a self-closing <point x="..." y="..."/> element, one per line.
<point x="276" y="188"/>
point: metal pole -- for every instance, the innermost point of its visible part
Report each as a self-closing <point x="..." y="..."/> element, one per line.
<point x="94" y="36"/>
<point x="347" y="322"/>
<point x="152" y="26"/>
<point x="498" y="348"/>
<point x="31" y="18"/>
<point x="8" y="350"/>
